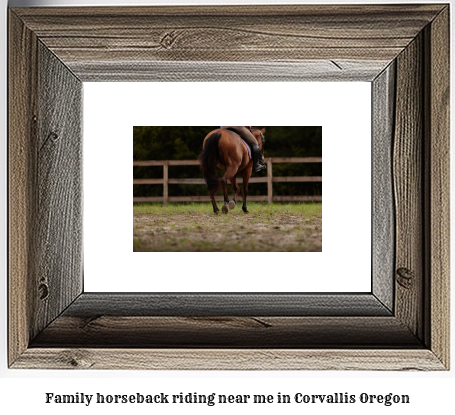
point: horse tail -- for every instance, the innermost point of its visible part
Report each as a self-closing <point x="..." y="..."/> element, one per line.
<point x="208" y="159"/>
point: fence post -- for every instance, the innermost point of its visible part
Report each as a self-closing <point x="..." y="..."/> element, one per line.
<point x="165" y="182"/>
<point x="269" y="181"/>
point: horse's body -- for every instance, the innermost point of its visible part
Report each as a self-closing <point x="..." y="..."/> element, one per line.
<point x="224" y="149"/>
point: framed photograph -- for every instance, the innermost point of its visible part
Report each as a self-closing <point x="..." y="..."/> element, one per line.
<point x="234" y="193"/>
<point x="402" y="323"/>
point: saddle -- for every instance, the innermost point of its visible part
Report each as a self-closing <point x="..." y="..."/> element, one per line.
<point x="242" y="140"/>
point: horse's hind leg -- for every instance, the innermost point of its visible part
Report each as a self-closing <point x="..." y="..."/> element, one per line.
<point x="215" y="206"/>
<point x="228" y="175"/>
<point x="212" y="187"/>
<point x="225" y="208"/>
<point x="245" y="193"/>
<point x="246" y="177"/>
<point x="233" y="202"/>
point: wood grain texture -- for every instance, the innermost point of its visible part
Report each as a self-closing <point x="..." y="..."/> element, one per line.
<point x="382" y="202"/>
<point x="58" y="232"/>
<point x="45" y="186"/>
<point x="439" y="189"/>
<point x="147" y="43"/>
<point x="253" y="332"/>
<point x="206" y="71"/>
<point x="226" y="304"/>
<point x="22" y="94"/>
<point x="228" y="359"/>
<point x="408" y="188"/>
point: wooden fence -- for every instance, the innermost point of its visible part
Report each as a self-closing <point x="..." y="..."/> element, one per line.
<point x="166" y="181"/>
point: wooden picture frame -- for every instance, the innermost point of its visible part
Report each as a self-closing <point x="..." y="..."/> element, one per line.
<point x="403" y="324"/>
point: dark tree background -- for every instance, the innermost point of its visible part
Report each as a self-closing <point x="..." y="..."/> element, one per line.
<point x="185" y="143"/>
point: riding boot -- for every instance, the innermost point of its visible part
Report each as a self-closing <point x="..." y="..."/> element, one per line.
<point x="255" y="153"/>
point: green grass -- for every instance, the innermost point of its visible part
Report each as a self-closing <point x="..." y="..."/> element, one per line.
<point x="256" y="208"/>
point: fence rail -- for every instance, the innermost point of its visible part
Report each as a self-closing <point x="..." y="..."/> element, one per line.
<point x="166" y="181"/>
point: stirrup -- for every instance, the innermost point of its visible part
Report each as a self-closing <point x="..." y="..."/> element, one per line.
<point x="259" y="167"/>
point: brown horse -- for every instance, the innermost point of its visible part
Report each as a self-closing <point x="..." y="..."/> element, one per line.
<point x="224" y="149"/>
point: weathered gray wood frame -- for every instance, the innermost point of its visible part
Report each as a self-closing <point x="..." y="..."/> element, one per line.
<point x="403" y="50"/>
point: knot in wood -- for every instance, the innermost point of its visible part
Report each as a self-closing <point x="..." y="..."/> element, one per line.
<point x="404" y="278"/>
<point x="53" y="136"/>
<point x="77" y="359"/>
<point x="43" y="291"/>
<point x="168" y="40"/>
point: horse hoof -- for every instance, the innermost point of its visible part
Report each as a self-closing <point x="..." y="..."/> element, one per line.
<point x="245" y="211"/>
<point x="231" y="204"/>
<point x="225" y="209"/>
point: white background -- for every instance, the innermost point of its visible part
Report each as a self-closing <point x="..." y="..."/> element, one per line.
<point x="23" y="391"/>
<point x="342" y="109"/>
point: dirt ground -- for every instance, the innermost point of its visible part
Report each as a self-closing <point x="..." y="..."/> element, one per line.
<point x="198" y="231"/>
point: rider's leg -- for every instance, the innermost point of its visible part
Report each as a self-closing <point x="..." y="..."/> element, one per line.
<point x="253" y="143"/>
<point x="255" y="153"/>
